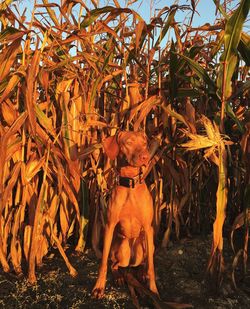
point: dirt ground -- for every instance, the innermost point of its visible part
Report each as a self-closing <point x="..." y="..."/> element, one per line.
<point x="180" y="273"/>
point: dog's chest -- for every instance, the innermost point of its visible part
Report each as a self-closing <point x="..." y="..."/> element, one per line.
<point x="134" y="212"/>
<point x="130" y="223"/>
<point x="132" y="208"/>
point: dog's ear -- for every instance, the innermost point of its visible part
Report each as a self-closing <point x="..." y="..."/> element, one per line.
<point x="111" y="147"/>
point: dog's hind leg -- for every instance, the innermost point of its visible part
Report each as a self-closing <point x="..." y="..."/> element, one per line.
<point x="138" y="250"/>
<point x="120" y="257"/>
<point x="138" y="258"/>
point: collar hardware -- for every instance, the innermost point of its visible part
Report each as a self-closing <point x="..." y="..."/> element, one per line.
<point x="126" y="182"/>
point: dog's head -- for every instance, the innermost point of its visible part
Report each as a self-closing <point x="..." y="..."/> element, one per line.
<point x="133" y="145"/>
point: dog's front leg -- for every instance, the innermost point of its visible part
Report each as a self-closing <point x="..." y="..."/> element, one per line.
<point x="118" y="198"/>
<point x="98" y="290"/>
<point x="149" y="233"/>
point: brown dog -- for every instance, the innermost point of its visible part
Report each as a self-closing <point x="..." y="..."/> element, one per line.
<point x="128" y="234"/>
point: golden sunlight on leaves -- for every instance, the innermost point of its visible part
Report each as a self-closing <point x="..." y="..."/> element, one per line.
<point x="72" y="75"/>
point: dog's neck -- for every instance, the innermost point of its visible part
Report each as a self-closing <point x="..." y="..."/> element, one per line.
<point x="129" y="171"/>
<point x="126" y="170"/>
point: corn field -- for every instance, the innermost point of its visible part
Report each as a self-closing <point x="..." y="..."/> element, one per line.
<point x="73" y="74"/>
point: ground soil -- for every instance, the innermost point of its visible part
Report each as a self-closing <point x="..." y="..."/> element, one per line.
<point x="180" y="271"/>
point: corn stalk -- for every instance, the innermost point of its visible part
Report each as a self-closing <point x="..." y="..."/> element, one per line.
<point x="66" y="83"/>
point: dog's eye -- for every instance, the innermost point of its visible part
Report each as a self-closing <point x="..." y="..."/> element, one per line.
<point x="129" y="143"/>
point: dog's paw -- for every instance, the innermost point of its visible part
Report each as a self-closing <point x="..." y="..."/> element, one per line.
<point x="98" y="290"/>
<point x="141" y="274"/>
<point x="118" y="277"/>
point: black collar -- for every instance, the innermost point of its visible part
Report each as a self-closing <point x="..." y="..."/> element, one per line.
<point x="126" y="182"/>
<point x="129" y="182"/>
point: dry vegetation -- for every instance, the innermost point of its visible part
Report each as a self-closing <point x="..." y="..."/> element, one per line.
<point x="68" y="80"/>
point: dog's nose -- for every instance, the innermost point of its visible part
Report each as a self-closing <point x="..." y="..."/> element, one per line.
<point x="144" y="156"/>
